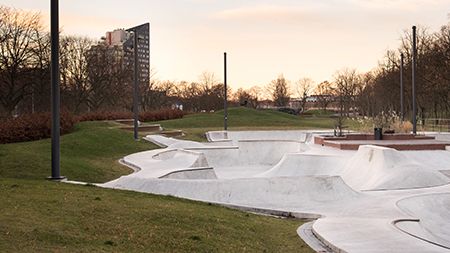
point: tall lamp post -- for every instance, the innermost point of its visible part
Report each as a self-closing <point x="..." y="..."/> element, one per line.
<point x="413" y="79"/>
<point x="402" y="113"/>
<point x="136" y="69"/>
<point x="225" y="99"/>
<point x="136" y="86"/>
<point x="54" y="31"/>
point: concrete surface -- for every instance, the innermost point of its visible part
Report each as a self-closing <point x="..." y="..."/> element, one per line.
<point x="375" y="199"/>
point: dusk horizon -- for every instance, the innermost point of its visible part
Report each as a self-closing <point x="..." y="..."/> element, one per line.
<point x="263" y="39"/>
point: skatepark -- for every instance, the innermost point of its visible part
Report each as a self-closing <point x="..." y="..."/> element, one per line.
<point x="373" y="199"/>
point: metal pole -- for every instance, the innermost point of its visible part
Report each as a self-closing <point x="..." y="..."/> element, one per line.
<point x="54" y="27"/>
<point x="225" y="100"/>
<point x="413" y="79"/>
<point x="136" y="85"/>
<point x="402" y="113"/>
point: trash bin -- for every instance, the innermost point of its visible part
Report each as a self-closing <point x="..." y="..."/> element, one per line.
<point x="378" y="133"/>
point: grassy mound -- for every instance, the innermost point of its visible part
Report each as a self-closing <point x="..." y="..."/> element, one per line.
<point x="90" y="153"/>
<point x="41" y="216"/>
<point x="239" y="117"/>
<point x="242" y="118"/>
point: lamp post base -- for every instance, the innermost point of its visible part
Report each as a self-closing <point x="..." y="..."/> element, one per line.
<point x="56" y="178"/>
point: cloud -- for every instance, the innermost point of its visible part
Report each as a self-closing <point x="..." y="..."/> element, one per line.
<point x="262" y="13"/>
<point x="411" y="5"/>
<point x="85" y="24"/>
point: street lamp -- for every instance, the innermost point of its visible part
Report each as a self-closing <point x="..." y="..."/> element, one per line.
<point x="413" y="79"/>
<point x="136" y="37"/>
<point x="402" y="113"/>
<point x="54" y="31"/>
<point x="225" y="100"/>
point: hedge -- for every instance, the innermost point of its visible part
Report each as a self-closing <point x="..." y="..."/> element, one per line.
<point x="36" y="126"/>
<point x="30" y="127"/>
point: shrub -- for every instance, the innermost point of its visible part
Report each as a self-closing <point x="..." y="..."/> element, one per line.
<point x="163" y="114"/>
<point x="104" y="115"/>
<point x="32" y="127"/>
<point x="289" y="110"/>
<point x="36" y="126"/>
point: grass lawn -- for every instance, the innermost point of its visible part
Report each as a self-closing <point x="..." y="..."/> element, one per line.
<point x="41" y="216"/>
<point x="90" y="153"/>
<point x="241" y="118"/>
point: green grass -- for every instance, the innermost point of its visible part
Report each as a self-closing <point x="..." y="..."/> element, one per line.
<point x="41" y="216"/>
<point x="319" y="112"/>
<point x="90" y="153"/>
<point x="241" y="118"/>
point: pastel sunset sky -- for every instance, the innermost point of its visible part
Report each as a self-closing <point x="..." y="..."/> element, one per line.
<point x="299" y="38"/>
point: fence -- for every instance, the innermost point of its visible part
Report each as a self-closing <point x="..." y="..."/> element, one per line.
<point x="435" y="124"/>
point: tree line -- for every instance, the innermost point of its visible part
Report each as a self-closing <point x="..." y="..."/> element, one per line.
<point x="94" y="77"/>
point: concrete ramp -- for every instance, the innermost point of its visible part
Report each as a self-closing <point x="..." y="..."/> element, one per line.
<point x="433" y="213"/>
<point x="194" y="173"/>
<point x="249" y="152"/>
<point x="294" y="135"/>
<point x="293" y="165"/>
<point x="279" y="193"/>
<point x="159" y="163"/>
<point x="163" y="142"/>
<point x="380" y="168"/>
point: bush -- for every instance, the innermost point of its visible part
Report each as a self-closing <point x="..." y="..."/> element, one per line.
<point x="37" y="126"/>
<point x="104" y="115"/>
<point x="163" y="114"/>
<point x="289" y="110"/>
<point x="32" y="127"/>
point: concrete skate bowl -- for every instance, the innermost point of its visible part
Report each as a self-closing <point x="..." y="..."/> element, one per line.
<point x="170" y="163"/>
<point x="248" y="157"/>
<point x="433" y="213"/>
<point x="294" y="165"/>
<point x="234" y="136"/>
<point x="302" y="193"/>
<point x="380" y="168"/>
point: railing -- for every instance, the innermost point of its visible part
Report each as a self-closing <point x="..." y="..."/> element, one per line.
<point x="435" y="124"/>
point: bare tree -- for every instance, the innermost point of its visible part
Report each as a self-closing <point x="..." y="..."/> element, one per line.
<point x="347" y="83"/>
<point x="74" y="70"/>
<point x="304" y="87"/>
<point x="279" y="90"/>
<point x="324" y="93"/>
<point x="18" y="34"/>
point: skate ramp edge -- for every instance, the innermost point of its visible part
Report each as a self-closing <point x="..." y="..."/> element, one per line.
<point x="433" y="215"/>
<point x="381" y="168"/>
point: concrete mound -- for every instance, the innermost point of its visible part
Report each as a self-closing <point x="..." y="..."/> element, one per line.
<point x="194" y="173"/>
<point x="159" y="163"/>
<point x="304" y="192"/>
<point x="292" y="165"/>
<point x="380" y="168"/>
<point x="433" y="212"/>
<point x="295" y="135"/>
<point x="249" y="152"/>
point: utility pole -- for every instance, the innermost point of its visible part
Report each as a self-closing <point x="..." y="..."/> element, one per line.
<point x="54" y="31"/>
<point x="141" y="33"/>
<point x="402" y="113"/>
<point x="413" y="79"/>
<point x="225" y="100"/>
<point x="136" y="85"/>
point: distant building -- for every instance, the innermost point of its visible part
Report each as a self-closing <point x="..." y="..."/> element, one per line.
<point x="266" y="104"/>
<point x="121" y="42"/>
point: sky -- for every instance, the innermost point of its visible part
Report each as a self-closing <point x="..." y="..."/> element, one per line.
<point x="263" y="39"/>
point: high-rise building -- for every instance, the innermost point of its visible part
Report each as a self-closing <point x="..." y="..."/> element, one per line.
<point x="124" y="39"/>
